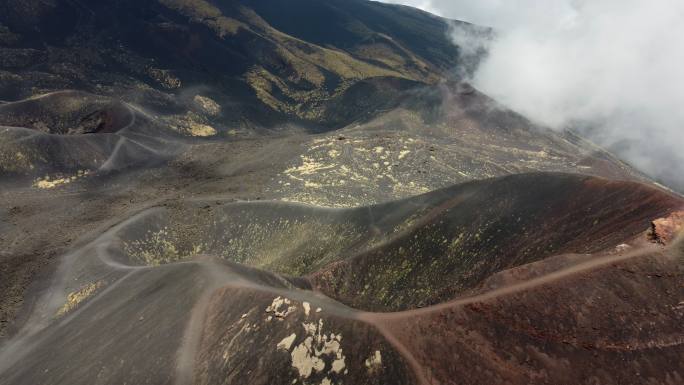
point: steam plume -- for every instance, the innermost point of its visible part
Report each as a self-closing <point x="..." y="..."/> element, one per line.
<point x="611" y="69"/>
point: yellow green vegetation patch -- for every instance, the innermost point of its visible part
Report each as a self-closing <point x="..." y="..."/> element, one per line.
<point x="75" y="298"/>
<point x="50" y="182"/>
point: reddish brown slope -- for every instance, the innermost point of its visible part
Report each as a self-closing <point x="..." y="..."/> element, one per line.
<point x="601" y="323"/>
<point x="473" y="231"/>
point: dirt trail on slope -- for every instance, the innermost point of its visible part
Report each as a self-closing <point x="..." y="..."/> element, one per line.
<point x="383" y="321"/>
<point x="594" y="263"/>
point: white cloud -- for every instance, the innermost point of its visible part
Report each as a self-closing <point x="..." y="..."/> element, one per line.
<point x="614" y="68"/>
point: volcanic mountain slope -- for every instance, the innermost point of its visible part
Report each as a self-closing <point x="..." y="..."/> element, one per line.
<point x="166" y="283"/>
<point x="78" y="161"/>
<point x="268" y="192"/>
<point x="160" y="74"/>
<point x="71" y="134"/>
<point x="434" y="137"/>
<point x="265" y="62"/>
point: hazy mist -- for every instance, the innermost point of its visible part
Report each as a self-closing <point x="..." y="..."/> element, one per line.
<point x="611" y="69"/>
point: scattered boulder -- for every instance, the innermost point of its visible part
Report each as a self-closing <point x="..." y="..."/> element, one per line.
<point x="665" y="230"/>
